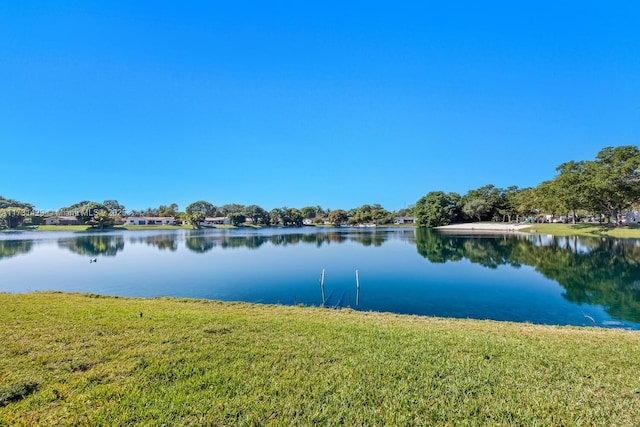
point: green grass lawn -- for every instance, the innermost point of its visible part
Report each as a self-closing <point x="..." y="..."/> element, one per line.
<point x="153" y="227"/>
<point x="624" y="231"/>
<point x="70" y="359"/>
<point x="60" y="228"/>
<point x="117" y="227"/>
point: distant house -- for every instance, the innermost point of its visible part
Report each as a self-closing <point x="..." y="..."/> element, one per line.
<point x="150" y="220"/>
<point x="218" y="220"/>
<point x="308" y="221"/>
<point x="632" y="217"/>
<point x="404" y="220"/>
<point x="62" y="220"/>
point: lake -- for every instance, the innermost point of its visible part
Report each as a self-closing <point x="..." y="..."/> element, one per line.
<point x="518" y="277"/>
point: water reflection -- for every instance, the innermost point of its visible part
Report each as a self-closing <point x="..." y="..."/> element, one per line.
<point x="596" y="271"/>
<point x="103" y="244"/>
<point x="599" y="272"/>
<point x="200" y="244"/>
<point x="11" y="248"/>
<point x="160" y="241"/>
<point x="368" y="239"/>
<point x="196" y="241"/>
<point x="203" y="242"/>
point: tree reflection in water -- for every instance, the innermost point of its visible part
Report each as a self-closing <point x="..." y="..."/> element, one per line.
<point x="599" y="271"/>
<point x="103" y="244"/>
<point x="11" y="248"/>
<point x="201" y="243"/>
<point x="160" y="241"/>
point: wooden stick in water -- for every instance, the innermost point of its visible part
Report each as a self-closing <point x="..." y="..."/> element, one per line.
<point x="322" y="286"/>
<point x="357" y="288"/>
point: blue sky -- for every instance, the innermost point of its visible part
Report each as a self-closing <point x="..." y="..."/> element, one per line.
<point x="307" y="103"/>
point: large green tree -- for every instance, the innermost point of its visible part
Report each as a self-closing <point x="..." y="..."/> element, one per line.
<point x="230" y="208"/>
<point x="286" y="216"/>
<point x="293" y="217"/>
<point x="368" y="214"/>
<point x="525" y="202"/>
<point x="615" y="179"/>
<point x="11" y="217"/>
<point x="338" y="217"/>
<point x="309" y="212"/>
<point x="548" y="200"/>
<point x="477" y="208"/>
<point x="570" y="187"/>
<point x="483" y="203"/>
<point x="275" y="216"/>
<point x="507" y="207"/>
<point x="257" y="214"/>
<point x="236" y="218"/>
<point x="84" y="211"/>
<point x="102" y="219"/>
<point x="409" y="211"/>
<point x="114" y="208"/>
<point x="13" y="212"/>
<point x="169" y="211"/>
<point x="10" y="203"/>
<point x="198" y="211"/>
<point x="437" y="209"/>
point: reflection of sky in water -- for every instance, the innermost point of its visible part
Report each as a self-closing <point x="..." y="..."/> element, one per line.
<point x="393" y="277"/>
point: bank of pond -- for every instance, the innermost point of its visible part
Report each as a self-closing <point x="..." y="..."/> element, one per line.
<point x="78" y="359"/>
<point x="527" y="277"/>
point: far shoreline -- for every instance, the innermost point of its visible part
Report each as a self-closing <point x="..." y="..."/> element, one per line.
<point x="581" y="229"/>
<point x="82" y="228"/>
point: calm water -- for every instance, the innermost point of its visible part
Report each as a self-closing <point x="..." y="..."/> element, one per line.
<point x="534" y="278"/>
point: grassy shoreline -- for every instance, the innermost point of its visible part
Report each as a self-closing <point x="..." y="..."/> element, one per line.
<point x="85" y="228"/>
<point x="72" y="359"/>
<point x="593" y="230"/>
<point x="556" y="229"/>
<point x="587" y="230"/>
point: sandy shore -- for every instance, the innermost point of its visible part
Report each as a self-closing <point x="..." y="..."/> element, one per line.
<point x="485" y="226"/>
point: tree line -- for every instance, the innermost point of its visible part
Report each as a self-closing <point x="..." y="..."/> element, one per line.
<point x="109" y="212"/>
<point x="603" y="187"/>
<point x="599" y="188"/>
<point x="237" y="214"/>
<point x="13" y="212"/>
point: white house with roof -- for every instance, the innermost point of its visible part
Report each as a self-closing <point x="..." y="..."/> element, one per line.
<point x="150" y="220"/>
<point x="404" y="220"/>
<point x="218" y="220"/>
<point x="61" y="220"/>
<point x="632" y="217"/>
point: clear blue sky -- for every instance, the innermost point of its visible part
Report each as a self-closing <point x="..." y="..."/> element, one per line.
<point x="307" y="103"/>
